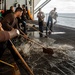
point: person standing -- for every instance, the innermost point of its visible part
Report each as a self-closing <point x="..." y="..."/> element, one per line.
<point x="54" y="15"/>
<point x="49" y="25"/>
<point x="40" y="16"/>
<point x="52" y="19"/>
<point x="19" y="7"/>
<point x="24" y="18"/>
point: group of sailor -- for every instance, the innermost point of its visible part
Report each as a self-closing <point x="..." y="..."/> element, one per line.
<point x="10" y="20"/>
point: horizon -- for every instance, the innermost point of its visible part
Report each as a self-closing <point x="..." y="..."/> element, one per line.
<point x="63" y="6"/>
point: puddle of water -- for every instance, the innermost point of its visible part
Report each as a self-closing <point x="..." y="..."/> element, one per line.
<point x="58" y="33"/>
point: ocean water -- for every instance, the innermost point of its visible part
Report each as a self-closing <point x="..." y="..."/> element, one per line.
<point x="64" y="19"/>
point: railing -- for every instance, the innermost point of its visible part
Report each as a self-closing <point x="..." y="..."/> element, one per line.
<point x="58" y="18"/>
<point x="41" y="6"/>
<point x="66" y="17"/>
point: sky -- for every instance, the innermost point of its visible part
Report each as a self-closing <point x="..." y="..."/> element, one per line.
<point x="63" y="6"/>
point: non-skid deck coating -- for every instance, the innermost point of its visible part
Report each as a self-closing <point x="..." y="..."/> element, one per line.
<point x="62" y="40"/>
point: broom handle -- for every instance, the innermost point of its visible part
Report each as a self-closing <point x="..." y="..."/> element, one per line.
<point x="21" y="58"/>
<point x="47" y="27"/>
<point x="34" y="28"/>
<point x="6" y="63"/>
<point x="26" y="37"/>
<point x="14" y="48"/>
<point x="37" y="29"/>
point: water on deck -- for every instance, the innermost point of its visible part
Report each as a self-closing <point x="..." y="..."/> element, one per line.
<point x="61" y="63"/>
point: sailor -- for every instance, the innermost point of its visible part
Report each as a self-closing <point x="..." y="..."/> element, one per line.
<point x="9" y="23"/>
<point x="52" y="19"/>
<point x="24" y="13"/>
<point x="11" y="10"/>
<point x="10" y="20"/>
<point x="22" y="20"/>
<point x="19" y="7"/>
<point x="49" y="25"/>
<point x="4" y="36"/>
<point x="54" y="15"/>
<point x="40" y="16"/>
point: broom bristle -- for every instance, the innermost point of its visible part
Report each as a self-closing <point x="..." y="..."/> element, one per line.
<point x="48" y="51"/>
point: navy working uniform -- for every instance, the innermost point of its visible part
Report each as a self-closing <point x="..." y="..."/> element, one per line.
<point x="52" y="17"/>
<point x="40" y="16"/>
<point x="49" y="24"/>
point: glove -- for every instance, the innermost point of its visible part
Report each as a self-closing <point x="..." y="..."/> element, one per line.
<point x="13" y="33"/>
<point x="17" y="31"/>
